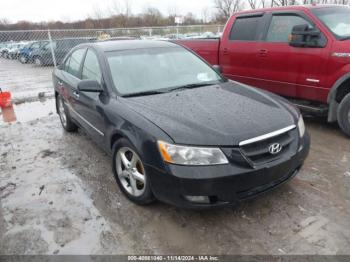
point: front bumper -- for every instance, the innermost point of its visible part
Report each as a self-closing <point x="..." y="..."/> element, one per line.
<point x="224" y="185"/>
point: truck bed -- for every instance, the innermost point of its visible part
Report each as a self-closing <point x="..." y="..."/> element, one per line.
<point x="208" y="49"/>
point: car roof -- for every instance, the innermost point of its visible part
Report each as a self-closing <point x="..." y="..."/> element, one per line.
<point x="109" y="46"/>
<point x="287" y="8"/>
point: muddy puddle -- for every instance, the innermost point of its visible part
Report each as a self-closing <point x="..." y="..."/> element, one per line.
<point x="26" y="112"/>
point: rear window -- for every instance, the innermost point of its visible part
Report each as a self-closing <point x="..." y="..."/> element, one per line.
<point x="35" y="45"/>
<point x="245" y="28"/>
<point x="65" y="44"/>
<point x="74" y="62"/>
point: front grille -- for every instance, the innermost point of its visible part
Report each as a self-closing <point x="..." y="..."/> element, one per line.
<point x="253" y="192"/>
<point x="257" y="153"/>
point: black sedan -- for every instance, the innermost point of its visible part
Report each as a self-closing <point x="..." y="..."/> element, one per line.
<point x="176" y="129"/>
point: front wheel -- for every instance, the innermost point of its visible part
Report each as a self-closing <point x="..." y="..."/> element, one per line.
<point x="130" y="173"/>
<point x="344" y="115"/>
<point x="65" y="119"/>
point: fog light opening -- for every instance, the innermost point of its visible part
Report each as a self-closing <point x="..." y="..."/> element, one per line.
<point x="198" y="199"/>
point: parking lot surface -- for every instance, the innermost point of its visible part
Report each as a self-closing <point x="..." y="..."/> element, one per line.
<point x="58" y="196"/>
<point x="25" y="81"/>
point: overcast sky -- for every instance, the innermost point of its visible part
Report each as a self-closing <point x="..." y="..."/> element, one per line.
<point x="70" y="10"/>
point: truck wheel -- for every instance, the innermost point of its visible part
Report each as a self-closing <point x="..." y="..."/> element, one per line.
<point x="344" y="115"/>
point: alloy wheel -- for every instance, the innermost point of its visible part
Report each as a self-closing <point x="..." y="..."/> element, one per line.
<point x="131" y="172"/>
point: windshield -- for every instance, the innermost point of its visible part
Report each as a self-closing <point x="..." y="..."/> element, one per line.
<point x="158" y="69"/>
<point x="337" y="19"/>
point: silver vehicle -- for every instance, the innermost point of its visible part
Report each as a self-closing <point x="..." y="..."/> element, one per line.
<point x="4" y="49"/>
<point x="15" y="49"/>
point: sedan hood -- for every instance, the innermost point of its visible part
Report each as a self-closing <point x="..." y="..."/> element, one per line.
<point x="219" y="115"/>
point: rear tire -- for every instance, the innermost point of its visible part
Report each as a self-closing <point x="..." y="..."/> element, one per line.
<point x="344" y="115"/>
<point x="130" y="173"/>
<point x="23" y="59"/>
<point x="65" y="118"/>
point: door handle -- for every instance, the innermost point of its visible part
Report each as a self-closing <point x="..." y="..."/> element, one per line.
<point x="263" y="52"/>
<point x="225" y="51"/>
<point x="76" y="94"/>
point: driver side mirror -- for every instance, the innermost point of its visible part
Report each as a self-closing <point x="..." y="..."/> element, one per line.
<point x="304" y="36"/>
<point x="217" y="69"/>
<point x="90" y="86"/>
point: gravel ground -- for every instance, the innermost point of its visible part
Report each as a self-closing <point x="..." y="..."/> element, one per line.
<point x="58" y="196"/>
<point x="25" y="81"/>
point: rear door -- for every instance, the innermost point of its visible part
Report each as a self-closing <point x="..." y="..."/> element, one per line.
<point x="239" y="49"/>
<point x="67" y="82"/>
<point x="287" y="70"/>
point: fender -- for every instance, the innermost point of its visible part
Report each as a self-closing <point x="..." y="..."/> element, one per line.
<point x="333" y="104"/>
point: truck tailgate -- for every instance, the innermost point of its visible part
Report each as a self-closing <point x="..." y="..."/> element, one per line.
<point x="206" y="48"/>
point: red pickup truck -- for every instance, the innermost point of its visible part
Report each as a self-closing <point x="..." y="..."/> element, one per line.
<point x="299" y="52"/>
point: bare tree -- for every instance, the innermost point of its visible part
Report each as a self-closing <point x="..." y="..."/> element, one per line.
<point x="127" y="8"/>
<point x="227" y="7"/>
<point x="205" y="15"/>
<point x="4" y="22"/>
<point x="253" y="4"/>
<point x="263" y="3"/>
<point x="173" y="10"/>
<point x="97" y="16"/>
<point x="121" y="7"/>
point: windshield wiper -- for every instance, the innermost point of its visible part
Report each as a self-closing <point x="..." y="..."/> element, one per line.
<point x="146" y="93"/>
<point x="155" y="92"/>
<point x="190" y="86"/>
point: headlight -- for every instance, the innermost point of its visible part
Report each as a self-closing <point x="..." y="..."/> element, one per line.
<point x="301" y="127"/>
<point x="191" y="156"/>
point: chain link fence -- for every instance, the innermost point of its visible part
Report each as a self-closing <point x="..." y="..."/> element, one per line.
<point x="49" y="47"/>
<point x="27" y="57"/>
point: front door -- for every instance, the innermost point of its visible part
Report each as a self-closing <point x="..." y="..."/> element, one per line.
<point x="286" y="70"/>
<point x="90" y="106"/>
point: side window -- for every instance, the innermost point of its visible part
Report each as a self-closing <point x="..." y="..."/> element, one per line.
<point x="35" y="45"/>
<point x="42" y="44"/>
<point x="47" y="46"/>
<point x="66" y="64"/>
<point x="282" y="25"/>
<point x="91" y="67"/>
<point x="245" y="28"/>
<point x="75" y="60"/>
